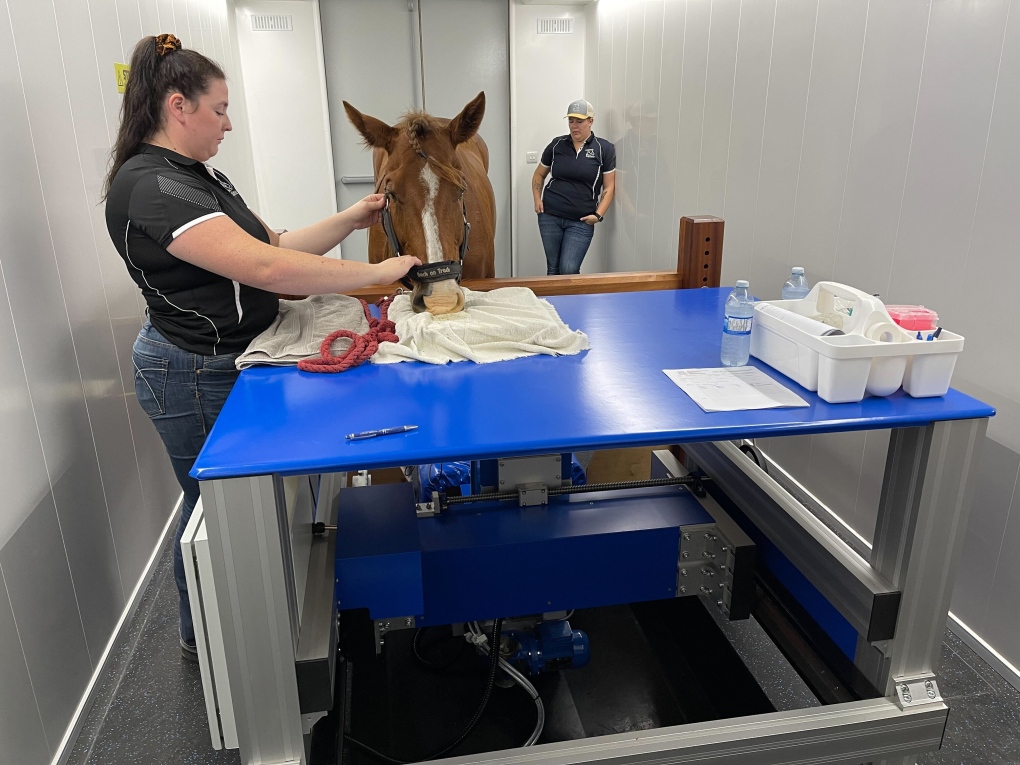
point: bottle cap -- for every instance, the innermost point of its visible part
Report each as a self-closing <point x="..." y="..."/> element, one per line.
<point x="798" y="269"/>
<point x="743" y="283"/>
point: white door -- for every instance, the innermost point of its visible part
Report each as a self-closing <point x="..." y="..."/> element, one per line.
<point x="374" y="62"/>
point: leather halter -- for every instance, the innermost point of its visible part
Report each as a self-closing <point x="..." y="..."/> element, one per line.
<point x="430" y="272"/>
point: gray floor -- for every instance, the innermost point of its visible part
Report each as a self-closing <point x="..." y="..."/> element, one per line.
<point x="149" y="706"/>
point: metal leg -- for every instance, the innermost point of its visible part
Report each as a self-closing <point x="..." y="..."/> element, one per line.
<point x="248" y="538"/>
<point x="922" y="519"/>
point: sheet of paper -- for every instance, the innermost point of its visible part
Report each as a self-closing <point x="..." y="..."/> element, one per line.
<point x="733" y="389"/>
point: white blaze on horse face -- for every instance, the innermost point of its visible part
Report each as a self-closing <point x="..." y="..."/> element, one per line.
<point x="433" y="248"/>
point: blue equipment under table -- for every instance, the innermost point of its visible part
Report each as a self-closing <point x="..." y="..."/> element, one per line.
<point x="280" y="422"/>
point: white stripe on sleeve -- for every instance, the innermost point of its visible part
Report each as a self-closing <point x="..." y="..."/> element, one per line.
<point x="195" y="222"/>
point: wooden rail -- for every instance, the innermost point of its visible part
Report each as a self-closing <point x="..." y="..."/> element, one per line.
<point x="699" y="264"/>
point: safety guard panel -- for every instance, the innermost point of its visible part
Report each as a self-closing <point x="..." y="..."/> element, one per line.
<point x="491" y="559"/>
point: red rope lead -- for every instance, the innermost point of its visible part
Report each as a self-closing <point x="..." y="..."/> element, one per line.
<point x="380" y="330"/>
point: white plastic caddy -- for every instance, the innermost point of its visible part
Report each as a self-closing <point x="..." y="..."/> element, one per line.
<point x="874" y="356"/>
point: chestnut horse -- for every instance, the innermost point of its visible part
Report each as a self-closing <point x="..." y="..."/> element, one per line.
<point x="434" y="173"/>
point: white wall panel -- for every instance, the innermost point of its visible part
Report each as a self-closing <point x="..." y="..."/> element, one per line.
<point x="45" y="608"/>
<point x="148" y="11"/>
<point x="707" y="192"/>
<point x="950" y="134"/>
<point x="665" y="225"/>
<point x="21" y="731"/>
<point x="880" y="146"/>
<point x="692" y="72"/>
<point x="832" y="100"/>
<point x="789" y="74"/>
<point x="747" y="122"/>
<point x="643" y="119"/>
<point x="595" y="89"/>
<point x="991" y="255"/>
<point x="89" y="484"/>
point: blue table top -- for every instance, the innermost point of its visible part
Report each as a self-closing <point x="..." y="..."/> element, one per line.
<point x="280" y="420"/>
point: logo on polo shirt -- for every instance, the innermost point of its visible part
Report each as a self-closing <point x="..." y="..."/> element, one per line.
<point x="222" y="180"/>
<point x="589" y="153"/>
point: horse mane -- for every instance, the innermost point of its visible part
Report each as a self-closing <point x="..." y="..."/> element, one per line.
<point x="418" y="126"/>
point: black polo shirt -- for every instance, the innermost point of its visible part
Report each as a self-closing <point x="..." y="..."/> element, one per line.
<point x="156" y="196"/>
<point x="573" y="191"/>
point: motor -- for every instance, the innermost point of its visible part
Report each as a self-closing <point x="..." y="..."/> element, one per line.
<point x="552" y="646"/>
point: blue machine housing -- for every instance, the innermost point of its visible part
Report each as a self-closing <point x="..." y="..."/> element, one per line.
<point x="551" y="647"/>
<point x="495" y="559"/>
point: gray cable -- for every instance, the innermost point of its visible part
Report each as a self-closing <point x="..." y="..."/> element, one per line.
<point x="518" y="678"/>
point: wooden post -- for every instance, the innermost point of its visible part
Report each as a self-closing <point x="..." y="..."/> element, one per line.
<point x="699" y="259"/>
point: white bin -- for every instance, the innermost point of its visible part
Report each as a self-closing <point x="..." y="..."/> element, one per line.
<point x="874" y="356"/>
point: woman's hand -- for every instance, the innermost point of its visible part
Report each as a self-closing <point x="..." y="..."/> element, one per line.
<point x="539" y="207"/>
<point x="392" y="269"/>
<point x="591" y="220"/>
<point x="366" y="212"/>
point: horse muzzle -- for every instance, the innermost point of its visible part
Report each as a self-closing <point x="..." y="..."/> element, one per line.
<point x="436" y="288"/>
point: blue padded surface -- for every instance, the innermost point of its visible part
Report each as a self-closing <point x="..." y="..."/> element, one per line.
<point x="615" y="395"/>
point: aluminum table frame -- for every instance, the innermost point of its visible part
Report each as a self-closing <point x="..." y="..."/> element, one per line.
<point x="925" y="502"/>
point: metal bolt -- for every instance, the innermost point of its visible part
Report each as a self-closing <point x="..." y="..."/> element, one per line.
<point x="930" y="688"/>
<point x="707" y="535"/>
<point x="557" y="458"/>
<point x="685" y="554"/>
<point x="724" y="548"/>
<point x="722" y="568"/>
<point x="707" y="555"/>
<point x="706" y="590"/>
<point x="409" y="622"/>
<point x="501" y="482"/>
<point x="687" y="537"/>
<point x="719" y="603"/>
<point x="683" y="590"/>
<point x="501" y="463"/>
<point x="683" y="572"/>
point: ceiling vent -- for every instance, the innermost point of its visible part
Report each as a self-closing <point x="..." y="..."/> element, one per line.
<point x="556" y="26"/>
<point x="262" y="22"/>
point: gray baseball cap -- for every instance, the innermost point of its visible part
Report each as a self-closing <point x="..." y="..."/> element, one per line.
<point x="580" y="109"/>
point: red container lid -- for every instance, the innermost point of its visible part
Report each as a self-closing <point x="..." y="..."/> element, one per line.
<point x="913" y="317"/>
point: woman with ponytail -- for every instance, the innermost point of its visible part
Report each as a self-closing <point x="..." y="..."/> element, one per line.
<point x="208" y="267"/>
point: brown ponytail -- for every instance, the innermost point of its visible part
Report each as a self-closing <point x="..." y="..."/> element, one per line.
<point x="159" y="66"/>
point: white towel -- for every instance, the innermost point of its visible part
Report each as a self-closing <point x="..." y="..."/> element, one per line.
<point x="300" y="328"/>
<point x="499" y="325"/>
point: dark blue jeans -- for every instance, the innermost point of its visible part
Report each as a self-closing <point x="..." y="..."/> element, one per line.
<point x="565" y="241"/>
<point x="182" y="393"/>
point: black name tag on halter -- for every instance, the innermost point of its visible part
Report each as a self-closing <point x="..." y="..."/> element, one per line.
<point x="435" y="272"/>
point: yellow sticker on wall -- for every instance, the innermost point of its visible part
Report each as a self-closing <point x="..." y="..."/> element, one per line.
<point x="121" y="71"/>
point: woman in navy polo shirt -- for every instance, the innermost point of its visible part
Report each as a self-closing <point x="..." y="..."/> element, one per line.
<point x="208" y="267"/>
<point x="583" y="170"/>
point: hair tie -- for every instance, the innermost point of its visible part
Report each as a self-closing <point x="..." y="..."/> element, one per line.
<point x="166" y="43"/>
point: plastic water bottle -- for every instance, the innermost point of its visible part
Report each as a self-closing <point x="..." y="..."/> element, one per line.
<point x="796" y="286"/>
<point x="736" y="338"/>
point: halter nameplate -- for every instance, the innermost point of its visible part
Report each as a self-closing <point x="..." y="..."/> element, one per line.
<point x="435" y="272"/>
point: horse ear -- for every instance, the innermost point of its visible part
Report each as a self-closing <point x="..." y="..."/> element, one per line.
<point x="376" y="133"/>
<point x="463" y="127"/>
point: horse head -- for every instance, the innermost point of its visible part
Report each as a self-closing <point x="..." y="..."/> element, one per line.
<point x="418" y="168"/>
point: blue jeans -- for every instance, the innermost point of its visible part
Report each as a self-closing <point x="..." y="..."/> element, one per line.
<point x="565" y="241"/>
<point x="182" y="393"/>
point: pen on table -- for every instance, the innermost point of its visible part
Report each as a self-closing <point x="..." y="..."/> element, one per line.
<point x="383" y="432"/>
